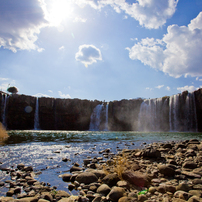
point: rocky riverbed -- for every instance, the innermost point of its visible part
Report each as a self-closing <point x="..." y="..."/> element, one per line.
<point x="159" y="172"/>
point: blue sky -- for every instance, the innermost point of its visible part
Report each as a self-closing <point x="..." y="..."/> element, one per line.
<point x="105" y="50"/>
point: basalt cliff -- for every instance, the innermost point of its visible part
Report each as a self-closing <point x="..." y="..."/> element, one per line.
<point x="181" y="112"/>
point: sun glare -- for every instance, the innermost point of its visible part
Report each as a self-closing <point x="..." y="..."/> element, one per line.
<point x="59" y="11"/>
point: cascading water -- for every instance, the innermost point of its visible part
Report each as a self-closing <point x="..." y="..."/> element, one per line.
<point x="96" y="118"/>
<point x="99" y="118"/>
<point x="190" y="114"/>
<point x="174" y="118"/>
<point x="176" y="113"/>
<point x="106" y="114"/>
<point x="4" y="102"/>
<point x="36" y="116"/>
<point x="151" y="117"/>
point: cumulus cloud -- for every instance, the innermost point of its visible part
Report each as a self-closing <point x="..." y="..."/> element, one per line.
<point x="187" y="88"/>
<point x="160" y="86"/>
<point x="20" y="24"/>
<point x="177" y="53"/>
<point x="63" y="95"/>
<point x="168" y="88"/>
<point x="151" y="14"/>
<point x="88" y="54"/>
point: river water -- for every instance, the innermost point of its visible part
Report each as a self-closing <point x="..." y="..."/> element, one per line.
<point x="44" y="150"/>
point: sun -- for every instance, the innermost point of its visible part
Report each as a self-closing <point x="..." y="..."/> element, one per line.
<point x="59" y="11"/>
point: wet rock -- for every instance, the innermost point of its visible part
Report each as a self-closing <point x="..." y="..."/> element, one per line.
<point x="116" y="193"/>
<point x="28" y="168"/>
<point x="71" y="187"/>
<point x="20" y="166"/>
<point x="61" y="194"/>
<point x="111" y="179"/>
<point x="87" y="161"/>
<point x="66" y="177"/>
<point x="75" y="168"/>
<point x="103" y="189"/>
<point x="86" y="178"/>
<point x="2" y="184"/>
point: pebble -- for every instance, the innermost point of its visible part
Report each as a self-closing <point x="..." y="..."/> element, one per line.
<point x="169" y="172"/>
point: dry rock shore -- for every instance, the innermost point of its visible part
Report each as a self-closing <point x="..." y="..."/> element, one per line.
<point x="159" y="172"/>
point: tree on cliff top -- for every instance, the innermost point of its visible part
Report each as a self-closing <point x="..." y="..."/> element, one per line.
<point x="12" y="90"/>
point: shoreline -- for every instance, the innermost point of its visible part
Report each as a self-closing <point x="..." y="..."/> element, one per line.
<point x="159" y="172"/>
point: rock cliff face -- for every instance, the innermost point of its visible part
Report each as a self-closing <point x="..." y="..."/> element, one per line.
<point x="18" y="112"/>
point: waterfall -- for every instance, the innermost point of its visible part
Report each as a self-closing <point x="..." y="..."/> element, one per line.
<point x="106" y="114"/>
<point x="4" y="105"/>
<point x="174" y="118"/>
<point x="190" y="114"/>
<point x="99" y="118"/>
<point x="151" y="117"/>
<point x="182" y="113"/>
<point x="96" y="118"/>
<point x="36" y="116"/>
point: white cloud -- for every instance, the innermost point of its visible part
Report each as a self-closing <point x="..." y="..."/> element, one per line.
<point x="88" y="54"/>
<point x="151" y="14"/>
<point x="50" y="91"/>
<point x="187" y="88"/>
<point x="178" y="53"/>
<point x="168" y="88"/>
<point x="148" y="88"/>
<point x="62" y="48"/>
<point x="63" y="95"/>
<point x="20" y="24"/>
<point x="41" y="95"/>
<point x="160" y="86"/>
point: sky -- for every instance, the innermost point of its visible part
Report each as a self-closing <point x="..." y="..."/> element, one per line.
<point x="101" y="49"/>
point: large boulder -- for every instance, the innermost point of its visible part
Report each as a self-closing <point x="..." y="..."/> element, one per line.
<point x="86" y="178"/>
<point x="103" y="189"/>
<point x="116" y="193"/>
<point x="166" y="170"/>
<point x="136" y="178"/>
